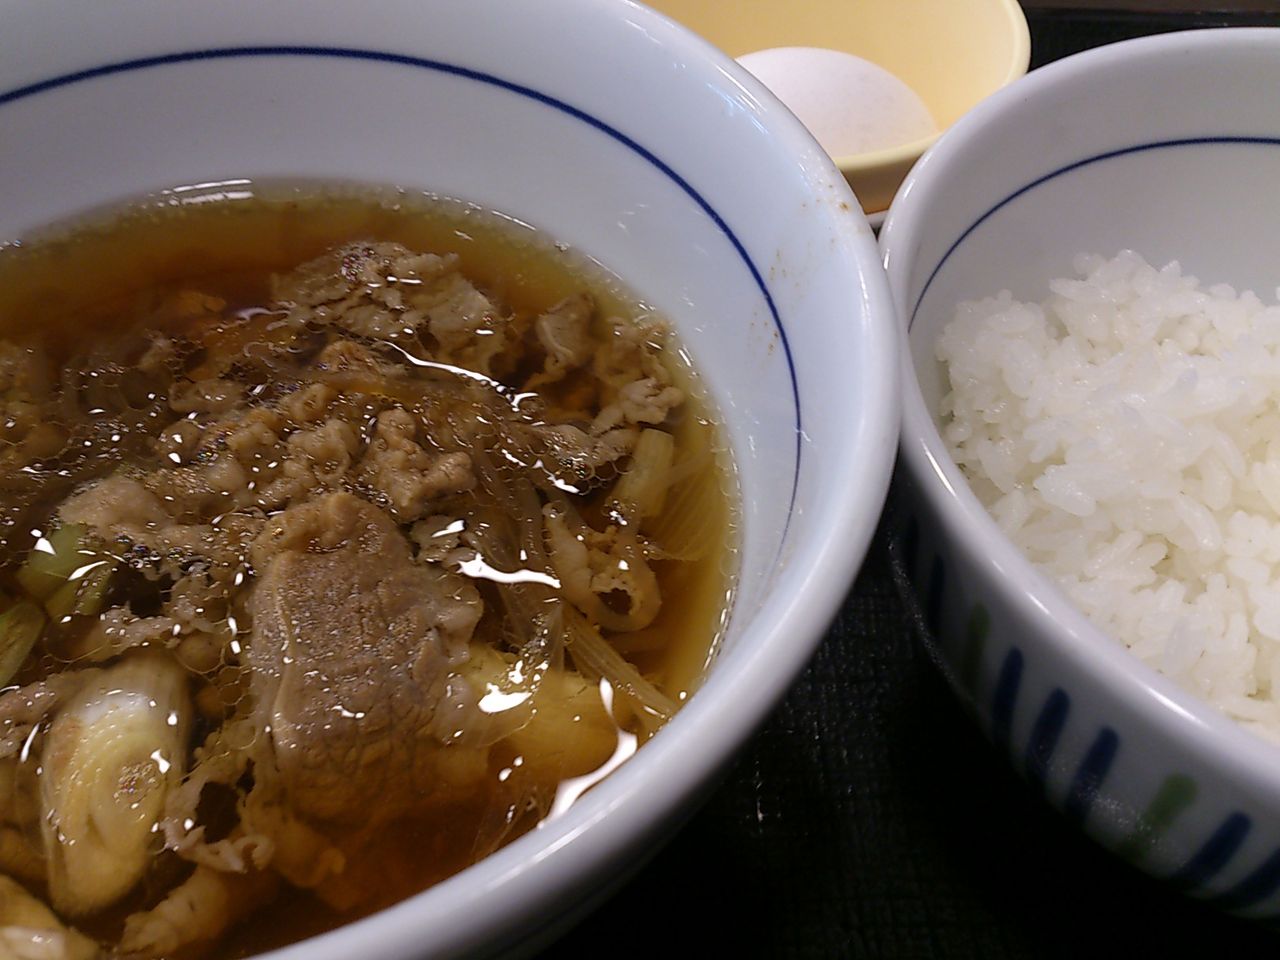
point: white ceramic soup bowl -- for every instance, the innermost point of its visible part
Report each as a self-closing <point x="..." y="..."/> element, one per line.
<point x="612" y="130"/>
<point x="1169" y="146"/>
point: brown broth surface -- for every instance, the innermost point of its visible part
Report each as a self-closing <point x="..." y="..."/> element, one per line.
<point x="92" y="283"/>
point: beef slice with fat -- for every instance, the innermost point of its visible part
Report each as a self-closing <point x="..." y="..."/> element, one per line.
<point x="355" y="652"/>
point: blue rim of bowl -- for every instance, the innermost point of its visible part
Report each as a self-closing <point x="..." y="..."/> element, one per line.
<point x="437" y="66"/>
<point x="1068" y="168"/>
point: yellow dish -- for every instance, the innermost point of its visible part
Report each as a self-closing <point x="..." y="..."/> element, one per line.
<point x="952" y="53"/>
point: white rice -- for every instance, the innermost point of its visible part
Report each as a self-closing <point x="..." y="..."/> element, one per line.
<point x="1126" y="435"/>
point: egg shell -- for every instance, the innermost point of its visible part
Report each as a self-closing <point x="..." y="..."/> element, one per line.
<point x="849" y="104"/>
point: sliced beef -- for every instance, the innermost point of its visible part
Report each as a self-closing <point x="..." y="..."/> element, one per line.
<point x="355" y="653"/>
<point x="383" y="291"/>
<point x="564" y="333"/>
<point x="404" y="474"/>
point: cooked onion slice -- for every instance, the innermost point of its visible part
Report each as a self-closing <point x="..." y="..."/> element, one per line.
<point x="31" y="931"/>
<point x="595" y="658"/>
<point x="112" y="753"/>
<point x="642" y="490"/>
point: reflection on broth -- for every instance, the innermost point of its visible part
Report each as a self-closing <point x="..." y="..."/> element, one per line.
<point x="345" y="536"/>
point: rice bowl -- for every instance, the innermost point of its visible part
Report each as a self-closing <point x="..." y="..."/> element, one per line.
<point x="1146" y="145"/>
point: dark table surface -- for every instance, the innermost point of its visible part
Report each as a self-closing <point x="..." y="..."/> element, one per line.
<point x="870" y="818"/>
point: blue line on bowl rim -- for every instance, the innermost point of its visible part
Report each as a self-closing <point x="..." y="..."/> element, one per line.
<point x="1110" y="154"/>
<point x="381" y="56"/>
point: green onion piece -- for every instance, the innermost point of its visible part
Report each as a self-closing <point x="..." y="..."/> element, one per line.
<point x="20" y="628"/>
<point x="48" y="569"/>
<point x="85" y="594"/>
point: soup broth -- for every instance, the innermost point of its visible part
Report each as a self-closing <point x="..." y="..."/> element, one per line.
<point x="346" y="535"/>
